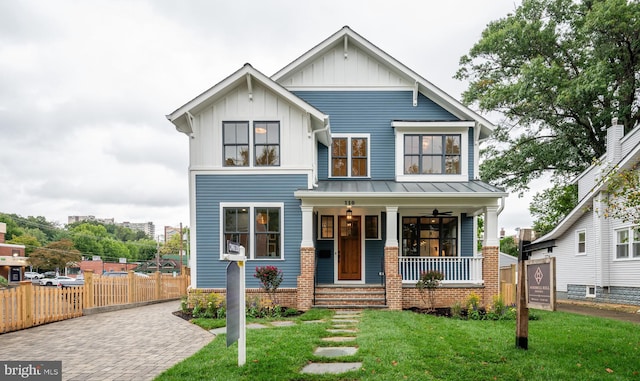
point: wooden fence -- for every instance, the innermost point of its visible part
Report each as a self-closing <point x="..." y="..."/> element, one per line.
<point x="508" y="284"/>
<point x="30" y="305"/>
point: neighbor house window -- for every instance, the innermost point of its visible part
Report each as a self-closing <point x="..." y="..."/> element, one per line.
<point x="236" y="144"/>
<point x="430" y="236"/>
<point x="581" y="240"/>
<point x="628" y="243"/>
<point x="350" y="156"/>
<point x="432" y="154"/>
<point x="256" y="227"/>
<point x="266" y="138"/>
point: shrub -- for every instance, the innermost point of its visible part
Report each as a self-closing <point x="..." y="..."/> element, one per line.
<point x="429" y="280"/>
<point x="270" y="277"/>
<point x="3" y="281"/>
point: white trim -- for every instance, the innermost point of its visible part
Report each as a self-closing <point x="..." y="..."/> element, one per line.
<point x="414" y="213"/>
<point x="251" y="143"/>
<point x="251" y="207"/>
<point x="630" y="229"/>
<point x="577" y="242"/>
<point x="349" y="157"/>
<point x="402" y="124"/>
<point x="589" y="294"/>
<point x="319" y="227"/>
<point x="432" y="129"/>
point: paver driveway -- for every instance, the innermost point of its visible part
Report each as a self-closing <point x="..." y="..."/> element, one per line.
<point x="132" y="344"/>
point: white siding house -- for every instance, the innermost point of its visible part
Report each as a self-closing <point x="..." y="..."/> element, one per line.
<point x="597" y="258"/>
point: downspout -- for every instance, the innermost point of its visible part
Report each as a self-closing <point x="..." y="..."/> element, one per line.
<point x="326" y="127"/>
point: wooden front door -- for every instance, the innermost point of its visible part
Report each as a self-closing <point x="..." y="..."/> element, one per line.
<point x="349" y="249"/>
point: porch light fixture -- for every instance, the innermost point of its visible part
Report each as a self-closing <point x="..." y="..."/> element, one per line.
<point x="349" y="214"/>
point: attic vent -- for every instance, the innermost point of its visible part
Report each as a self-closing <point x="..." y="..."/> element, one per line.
<point x="346" y="47"/>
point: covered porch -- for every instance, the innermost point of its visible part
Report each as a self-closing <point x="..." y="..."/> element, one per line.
<point x="374" y="234"/>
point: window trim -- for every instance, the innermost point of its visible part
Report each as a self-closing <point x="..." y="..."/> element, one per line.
<point x="251" y="206"/>
<point x="349" y="156"/>
<point x="458" y="235"/>
<point x="321" y="235"/>
<point x="252" y="143"/>
<point x="442" y="156"/>
<point x="432" y="128"/>
<point x="589" y="294"/>
<point x="578" y="232"/>
<point x="377" y="221"/>
<point x="631" y="232"/>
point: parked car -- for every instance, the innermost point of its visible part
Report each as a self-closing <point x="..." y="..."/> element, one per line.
<point x="60" y="279"/>
<point x="33" y="275"/>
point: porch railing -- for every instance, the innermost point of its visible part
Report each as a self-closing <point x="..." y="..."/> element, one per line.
<point x="455" y="269"/>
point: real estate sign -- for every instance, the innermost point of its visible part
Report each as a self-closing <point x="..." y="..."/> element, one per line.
<point x="541" y="283"/>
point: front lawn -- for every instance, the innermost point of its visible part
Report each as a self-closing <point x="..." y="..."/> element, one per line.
<point x="404" y="345"/>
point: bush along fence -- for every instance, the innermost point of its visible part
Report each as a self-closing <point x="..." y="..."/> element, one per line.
<point x="29" y="305"/>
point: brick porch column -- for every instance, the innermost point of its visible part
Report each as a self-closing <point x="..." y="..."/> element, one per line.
<point x="305" y="279"/>
<point x="393" y="278"/>
<point x="490" y="273"/>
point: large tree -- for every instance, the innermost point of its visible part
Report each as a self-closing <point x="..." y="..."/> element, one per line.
<point x="56" y="255"/>
<point x="559" y="71"/>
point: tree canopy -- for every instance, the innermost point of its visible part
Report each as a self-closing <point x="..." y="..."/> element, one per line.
<point x="559" y="71"/>
<point x="56" y="255"/>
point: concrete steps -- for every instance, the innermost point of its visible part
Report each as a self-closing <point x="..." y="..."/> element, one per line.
<point x="349" y="297"/>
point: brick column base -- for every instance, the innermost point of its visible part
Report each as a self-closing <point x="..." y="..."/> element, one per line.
<point x="306" y="278"/>
<point x="490" y="273"/>
<point x="393" y="278"/>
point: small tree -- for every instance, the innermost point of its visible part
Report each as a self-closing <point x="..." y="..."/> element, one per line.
<point x="429" y="280"/>
<point x="270" y="278"/>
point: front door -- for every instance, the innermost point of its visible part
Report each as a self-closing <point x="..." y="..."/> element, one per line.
<point x="349" y="249"/>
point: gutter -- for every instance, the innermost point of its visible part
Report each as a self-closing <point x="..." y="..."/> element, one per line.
<point x="326" y="127"/>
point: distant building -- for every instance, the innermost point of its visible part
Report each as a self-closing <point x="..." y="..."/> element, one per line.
<point x="147" y="227"/>
<point x="12" y="258"/>
<point x="74" y="219"/>
<point x="170" y="231"/>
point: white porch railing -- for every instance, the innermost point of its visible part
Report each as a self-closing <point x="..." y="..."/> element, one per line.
<point x="455" y="269"/>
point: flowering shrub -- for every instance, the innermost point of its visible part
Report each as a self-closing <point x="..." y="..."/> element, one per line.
<point x="270" y="277"/>
<point x="429" y="280"/>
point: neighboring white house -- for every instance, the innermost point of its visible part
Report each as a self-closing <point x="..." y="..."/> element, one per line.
<point x="597" y="258"/>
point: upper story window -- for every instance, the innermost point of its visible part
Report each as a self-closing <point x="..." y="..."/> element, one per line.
<point x="349" y="156"/>
<point x="581" y="242"/>
<point x="628" y="243"/>
<point x="432" y="154"/>
<point x="237" y="140"/>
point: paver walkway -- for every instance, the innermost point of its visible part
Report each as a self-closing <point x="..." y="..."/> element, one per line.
<point x="135" y="344"/>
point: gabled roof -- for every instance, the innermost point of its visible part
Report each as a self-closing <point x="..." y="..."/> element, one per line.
<point x="625" y="163"/>
<point x="182" y="117"/>
<point x="347" y="36"/>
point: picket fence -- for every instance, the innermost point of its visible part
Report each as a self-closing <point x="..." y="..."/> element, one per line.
<point x="29" y="305"/>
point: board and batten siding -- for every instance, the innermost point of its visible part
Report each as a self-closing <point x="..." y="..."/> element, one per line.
<point x="371" y="112"/>
<point x="211" y="190"/>
<point x="295" y="142"/>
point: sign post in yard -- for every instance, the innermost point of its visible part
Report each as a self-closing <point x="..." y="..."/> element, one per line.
<point x="236" y="318"/>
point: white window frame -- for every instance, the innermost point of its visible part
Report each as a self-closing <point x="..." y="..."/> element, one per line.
<point x="578" y="232"/>
<point x="349" y="158"/>
<point x="252" y="217"/>
<point x="402" y="128"/>
<point x="631" y="242"/>
<point x="252" y="144"/>
<point x="588" y="293"/>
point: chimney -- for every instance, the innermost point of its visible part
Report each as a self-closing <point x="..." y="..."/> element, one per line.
<point x="3" y="231"/>
<point x="614" y="147"/>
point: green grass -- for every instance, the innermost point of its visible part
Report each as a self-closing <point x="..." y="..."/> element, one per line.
<point x="405" y="345"/>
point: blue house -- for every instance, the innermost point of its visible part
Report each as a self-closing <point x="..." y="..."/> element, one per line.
<point x="346" y="170"/>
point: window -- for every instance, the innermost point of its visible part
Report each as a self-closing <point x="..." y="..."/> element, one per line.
<point x="258" y="228"/>
<point x="581" y="236"/>
<point x="430" y="236"/>
<point x="265" y="140"/>
<point x="371" y="227"/>
<point x="236" y="144"/>
<point x="350" y="156"/>
<point x="628" y="243"/>
<point x="591" y="292"/>
<point x="432" y="154"/>
<point x="326" y="227"/>
<point x="267" y="233"/>
<point x="266" y="143"/>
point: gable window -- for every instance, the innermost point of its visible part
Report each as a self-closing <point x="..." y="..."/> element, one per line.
<point x="430" y="236"/>
<point x="350" y="156"/>
<point x="266" y="137"/>
<point x="628" y="243"/>
<point x="236" y="144"/>
<point x="432" y="154"/>
<point x="256" y="227"/>
<point x="581" y="242"/>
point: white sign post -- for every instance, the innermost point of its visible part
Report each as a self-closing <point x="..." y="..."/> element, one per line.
<point x="236" y="317"/>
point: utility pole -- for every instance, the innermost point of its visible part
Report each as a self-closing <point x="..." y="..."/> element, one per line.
<point x="158" y="254"/>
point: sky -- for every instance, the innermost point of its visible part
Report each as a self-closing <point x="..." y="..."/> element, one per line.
<point x="85" y="87"/>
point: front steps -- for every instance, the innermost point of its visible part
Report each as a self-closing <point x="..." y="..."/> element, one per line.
<point x="349" y="297"/>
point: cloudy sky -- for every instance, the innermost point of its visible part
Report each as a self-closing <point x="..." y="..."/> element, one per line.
<point x="85" y="87"/>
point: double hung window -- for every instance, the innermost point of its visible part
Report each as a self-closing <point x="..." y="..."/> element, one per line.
<point x="258" y="228"/>
<point x="350" y="156"/>
<point x="237" y="141"/>
<point x="581" y="242"/>
<point x="628" y="243"/>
